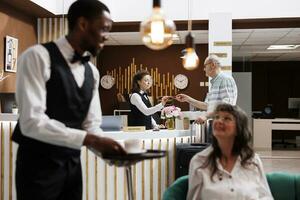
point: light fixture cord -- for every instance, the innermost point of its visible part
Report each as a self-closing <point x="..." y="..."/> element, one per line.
<point x="63" y="17"/>
<point x="189" y="17"/>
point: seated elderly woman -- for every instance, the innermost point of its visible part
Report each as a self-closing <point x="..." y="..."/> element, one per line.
<point x="229" y="168"/>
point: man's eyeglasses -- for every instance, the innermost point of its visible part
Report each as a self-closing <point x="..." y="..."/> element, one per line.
<point x="207" y="64"/>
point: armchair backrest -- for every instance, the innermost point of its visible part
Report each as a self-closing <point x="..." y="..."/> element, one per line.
<point x="178" y="189"/>
<point x="283" y="186"/>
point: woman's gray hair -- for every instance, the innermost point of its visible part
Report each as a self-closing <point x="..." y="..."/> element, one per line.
<point x="214" y="59"/>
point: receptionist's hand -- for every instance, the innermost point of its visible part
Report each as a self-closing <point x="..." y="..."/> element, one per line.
<point x="158" y="127"/>
<point x="164" y="100"/>
<point x="161" y="126"/>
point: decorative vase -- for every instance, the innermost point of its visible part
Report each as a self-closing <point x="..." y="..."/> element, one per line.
<point x="170" y="123"/>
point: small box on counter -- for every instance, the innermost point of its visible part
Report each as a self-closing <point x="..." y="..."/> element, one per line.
<point x="134" y="128"/>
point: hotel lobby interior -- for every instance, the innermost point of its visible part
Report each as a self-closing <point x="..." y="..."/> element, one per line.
<point x="258" y="43"/>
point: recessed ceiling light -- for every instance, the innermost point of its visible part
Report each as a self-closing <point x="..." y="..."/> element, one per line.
<point x="283" y="47"/>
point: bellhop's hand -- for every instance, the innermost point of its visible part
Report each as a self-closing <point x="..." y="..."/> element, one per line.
<point x="104" y="145"/>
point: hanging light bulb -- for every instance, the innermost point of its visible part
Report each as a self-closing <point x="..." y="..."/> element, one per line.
<point x="157" y="32"/>
<point x="190" y="59"/>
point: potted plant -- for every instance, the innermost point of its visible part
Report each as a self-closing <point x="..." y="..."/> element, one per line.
<point x="169" y="113"/>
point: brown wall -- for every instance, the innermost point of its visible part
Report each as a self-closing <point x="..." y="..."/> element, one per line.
<point x="167" y="60"/>
<point x="23" y="27"/>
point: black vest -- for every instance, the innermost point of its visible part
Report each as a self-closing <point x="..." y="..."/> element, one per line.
<point x="65" y="101"/>
<point x="137" y="118"/>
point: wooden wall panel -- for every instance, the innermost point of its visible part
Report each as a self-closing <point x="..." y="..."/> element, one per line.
<point x="20" y="26"/>
<point x="167" y="60"/>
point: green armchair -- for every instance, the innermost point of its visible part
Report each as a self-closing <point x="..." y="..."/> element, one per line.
<point x="284" y="186"/>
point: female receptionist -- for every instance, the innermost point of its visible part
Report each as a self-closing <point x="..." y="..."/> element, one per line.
<point x="141" y="108"/>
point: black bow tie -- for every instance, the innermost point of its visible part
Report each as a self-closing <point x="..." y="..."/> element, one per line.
<point x="145" y="94"/>
<point x="77" y="57"/>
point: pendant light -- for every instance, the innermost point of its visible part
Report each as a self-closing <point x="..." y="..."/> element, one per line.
<point x="190" y="59"/>
<point x="157" y="32"/>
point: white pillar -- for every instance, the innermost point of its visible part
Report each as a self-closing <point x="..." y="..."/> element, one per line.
<point x="220" y="38"/>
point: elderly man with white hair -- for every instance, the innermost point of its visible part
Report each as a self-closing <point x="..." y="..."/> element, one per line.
<point x="222" y="90"/>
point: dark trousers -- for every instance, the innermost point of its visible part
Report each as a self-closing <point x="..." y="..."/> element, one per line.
<point x="47" y="176"/>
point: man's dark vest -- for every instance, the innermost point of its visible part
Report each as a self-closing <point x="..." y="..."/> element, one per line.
<point x="137" y="118"/>
<point x="65" y="101"/>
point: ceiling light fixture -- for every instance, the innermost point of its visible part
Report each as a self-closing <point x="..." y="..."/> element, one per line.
<point x="157" y="32"/>
<point x="190" y="59"/>
<point x="283" y="47"/>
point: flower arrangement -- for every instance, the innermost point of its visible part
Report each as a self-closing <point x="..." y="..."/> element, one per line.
<point x="171" y="112"/>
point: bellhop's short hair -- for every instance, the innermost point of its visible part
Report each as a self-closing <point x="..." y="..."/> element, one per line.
<point x="90" y="9"/>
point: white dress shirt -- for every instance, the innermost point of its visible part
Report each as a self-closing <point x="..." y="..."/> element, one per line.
<point x="240" y="184"/>
<point x="136" y="100"/>
<point x="33" y="73"/>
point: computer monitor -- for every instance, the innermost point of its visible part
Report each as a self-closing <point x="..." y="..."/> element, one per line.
<point x="6" y="102"/>
<point x="294" y="103"/>
<point x="111" y="123"/>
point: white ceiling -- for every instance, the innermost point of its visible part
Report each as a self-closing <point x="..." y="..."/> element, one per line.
<point x="247" y="44"/>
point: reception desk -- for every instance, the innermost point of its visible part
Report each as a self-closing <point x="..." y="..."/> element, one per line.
<point x="101" y="181"/>
<point x="262" y="130"/>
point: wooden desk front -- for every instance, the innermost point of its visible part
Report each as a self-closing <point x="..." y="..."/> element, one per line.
<point x="262" y="130"/>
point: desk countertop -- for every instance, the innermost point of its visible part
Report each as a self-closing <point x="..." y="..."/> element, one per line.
<point x="280" y="119"/>
<point x="285" y="120"/>
<point x="8" y="117"/>
<point x="120" y="135"/>
<point x="149" y="134"/>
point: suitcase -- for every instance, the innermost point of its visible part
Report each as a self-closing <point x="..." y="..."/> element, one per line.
<point x="184" y="154"/>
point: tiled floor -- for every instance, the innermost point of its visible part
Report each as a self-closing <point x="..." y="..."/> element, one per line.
<point x="284" y="161"/>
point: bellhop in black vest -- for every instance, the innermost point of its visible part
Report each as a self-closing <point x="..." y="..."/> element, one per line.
<point x="69" y="104"/>
<point x="66" y="102"/>
<point x="136" y="117"/>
